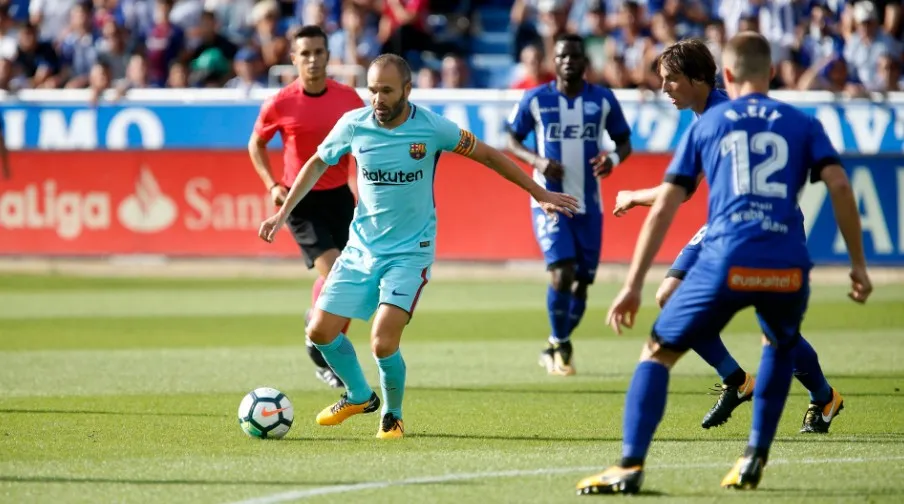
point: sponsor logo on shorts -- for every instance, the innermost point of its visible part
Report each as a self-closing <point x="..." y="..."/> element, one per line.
<point x="765" y="280"/>
<point x="397" y="177"/>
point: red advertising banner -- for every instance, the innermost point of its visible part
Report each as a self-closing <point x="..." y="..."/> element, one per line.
<point x="211" y="204"/>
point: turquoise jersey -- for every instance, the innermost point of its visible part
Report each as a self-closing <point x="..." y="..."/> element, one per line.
<point x="396" y="211"/>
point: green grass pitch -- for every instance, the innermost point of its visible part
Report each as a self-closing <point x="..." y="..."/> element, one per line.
<point x="126" y="390"/>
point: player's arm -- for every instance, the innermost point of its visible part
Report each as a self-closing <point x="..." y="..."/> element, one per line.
<point x="307" y="177"/>
<point x="626" y="200"/>
<point x="620" y="133"/>
<point x="264" y="129"/>
<point x="653" y="232"/>
<point x="501" y="164"/>
<point x="519" y="124"/>
<point x="827" y="168"/>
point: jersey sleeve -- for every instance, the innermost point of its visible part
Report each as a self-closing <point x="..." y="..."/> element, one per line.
<point x="616" y="125"/>
<point x="821" y="152"/>
<point x="337" y="143"/>
<point x="454" y="139"/>
<point x="685" y="165"/>
<point x="267" y="123"/>
<point x="521" y="121"/>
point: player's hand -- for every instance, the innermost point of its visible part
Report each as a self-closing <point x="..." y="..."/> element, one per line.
<point x="550" y="168"/>
<point x="623" y="310"/>
<point x="602" y="165"/>
<point x="278" y="194"/>
<point x="624" y="201"/>
<point x="861" y="287"/>
<point x="553" y="202"/>
<point x="269" y="227"/>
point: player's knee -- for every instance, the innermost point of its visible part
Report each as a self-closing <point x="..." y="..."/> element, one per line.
<point x="383" y="345"/>
<point x="655" y="352"/>
<point x="321" y="331"/>
<point x="580" y="289"/>
<point x="563" y="276"/>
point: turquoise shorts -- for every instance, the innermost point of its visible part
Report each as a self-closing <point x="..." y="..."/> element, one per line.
<point x="359" y="283"/>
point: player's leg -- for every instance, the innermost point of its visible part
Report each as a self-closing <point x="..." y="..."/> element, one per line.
<point x="401" y="287"/>
<point x="350" y="292"/>
<point x="737" y="385"/>
<point x="699" y="310"/>
<point x="780" y="315"/>
<point x="556" y="240"/>
<point x="323" y="264"/>
<point x="825" y="401"/>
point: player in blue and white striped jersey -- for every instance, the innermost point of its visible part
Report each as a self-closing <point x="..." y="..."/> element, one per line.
<point x="568" y="118"/>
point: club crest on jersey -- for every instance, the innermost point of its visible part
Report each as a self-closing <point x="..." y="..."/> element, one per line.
<point x="418" y="150"/>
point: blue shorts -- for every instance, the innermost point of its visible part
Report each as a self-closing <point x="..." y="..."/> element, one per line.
<point x="359" y="283"/>
<point x="713" y="292"/>
<point x="688" y="256"/>
<point x="578" y="238"/>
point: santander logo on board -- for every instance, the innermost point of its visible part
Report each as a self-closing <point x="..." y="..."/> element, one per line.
<point x="149" y="209"/>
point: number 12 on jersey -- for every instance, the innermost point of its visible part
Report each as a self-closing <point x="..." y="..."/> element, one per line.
<point x="739" y="144"/>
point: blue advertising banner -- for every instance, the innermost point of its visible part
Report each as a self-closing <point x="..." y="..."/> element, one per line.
<point x="878" y="184"/>
<point x="171" y="121"/>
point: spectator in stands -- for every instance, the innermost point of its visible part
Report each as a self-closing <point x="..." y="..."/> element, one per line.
<point x="50" y="17"/>
<point x="136" y="75"/>
<point x="553" y="22"/>
<point x="233" y="17"/>
<point x="36" y="64"/>
<point x="523" y="22"/>
<point x="831" y="74"/>
<point x="626" y="48"/>
<point x="355" y="43"/>
<point x="268" y="36"/>
<point x="715" y="41"/>
<point x="137" y="17"/>
<point x="427" y="78"/>
<point x="249" y="71"/>
<point x="326" y="14"/>
<point x="454" y="72"/>
<point x="867" y="44"/>
<point x="99" y="81"/>
<point x="112" y="50"/>
<point x="209" y="37"/>
<point x="532" y="72"/>
<point x="688" y="16"/>
<point x="403" y="27"/>
<point x="210" y="69"/>
<point x="165" y="44"/>
<point x="178" y="76"/>
<point x="889" y="75"/>
<point x="77" y="48"/>
<point x="9" y="35"/>
<point x="819" y="41"/>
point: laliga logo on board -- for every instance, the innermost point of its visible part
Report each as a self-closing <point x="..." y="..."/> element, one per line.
<point x="149" y="210"/>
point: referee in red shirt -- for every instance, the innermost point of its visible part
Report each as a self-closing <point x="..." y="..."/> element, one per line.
<point x="303" y="113"/>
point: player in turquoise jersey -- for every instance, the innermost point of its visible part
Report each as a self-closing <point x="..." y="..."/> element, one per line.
<point x="386" y="263"/>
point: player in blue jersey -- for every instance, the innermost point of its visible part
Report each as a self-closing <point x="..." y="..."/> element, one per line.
<point x="386" y="263"/>
<point x="568" y="117"/>
<point x="688" y="73"/>
<point x="756" y="154"/>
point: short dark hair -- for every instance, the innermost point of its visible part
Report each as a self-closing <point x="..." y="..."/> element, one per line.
<point x="750" y="55"/>
<point x="690" y="58"/>
<point x="571" y="37"/>
<point x="396" y="60"/>
<point x="312" y="31"/>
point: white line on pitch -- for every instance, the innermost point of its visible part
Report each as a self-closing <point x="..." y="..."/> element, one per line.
<point x="376" y="485"/>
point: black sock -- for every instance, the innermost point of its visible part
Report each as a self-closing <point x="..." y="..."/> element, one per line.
<point x="736" y="379"/>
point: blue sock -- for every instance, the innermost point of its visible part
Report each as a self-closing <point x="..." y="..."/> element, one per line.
<point x="713" y="351"/>
<point x="575" y="313"/>
<point x="644" y="407"/>
<point x="340" y="355"/>
<point x="769" y="395"/>
<point x="557" y="304"/>
<point x="392" y="381"/>
<point x="808" y="371"/>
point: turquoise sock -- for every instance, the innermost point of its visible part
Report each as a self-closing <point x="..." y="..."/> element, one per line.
<point x="392" y="381"/>
<point x="340" y="355"/>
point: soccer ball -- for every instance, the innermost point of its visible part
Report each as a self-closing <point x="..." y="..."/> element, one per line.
<point x="266" y="413"/>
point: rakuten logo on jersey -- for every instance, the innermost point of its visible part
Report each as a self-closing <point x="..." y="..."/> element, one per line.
<point x="398" y="177"/>
<point x="68" y="213"/>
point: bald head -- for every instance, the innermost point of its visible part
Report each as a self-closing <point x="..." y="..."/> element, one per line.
<point x="748" y="57"/>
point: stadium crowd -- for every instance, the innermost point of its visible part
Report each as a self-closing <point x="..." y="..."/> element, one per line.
<point x="845" y="46"/>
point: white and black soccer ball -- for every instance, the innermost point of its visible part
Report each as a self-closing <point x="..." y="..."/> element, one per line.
<point x="266" y="413"/>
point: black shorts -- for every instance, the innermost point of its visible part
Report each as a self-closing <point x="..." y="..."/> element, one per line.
<point x="320" y="222"/>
